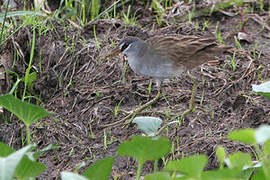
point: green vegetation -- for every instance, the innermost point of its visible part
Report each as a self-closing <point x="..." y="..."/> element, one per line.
<point x="21" y="164"/>
<point x="262" y="89"/>
<point x="239" y="165"/>
<point x="152" y="148"/>
<point x="128" y="18"/>
<point x="26" y="112"/>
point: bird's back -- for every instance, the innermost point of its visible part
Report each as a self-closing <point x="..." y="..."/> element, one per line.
<point x="186" y="51"/>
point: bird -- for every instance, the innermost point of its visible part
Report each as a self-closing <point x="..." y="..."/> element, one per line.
<point x="167" y="56"/>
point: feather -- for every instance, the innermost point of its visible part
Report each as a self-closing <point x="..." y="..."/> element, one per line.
<point x="187" y="51"/>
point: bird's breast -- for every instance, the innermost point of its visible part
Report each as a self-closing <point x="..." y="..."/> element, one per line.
<point x="155" y="67"/>
<point x="136" y="65"/>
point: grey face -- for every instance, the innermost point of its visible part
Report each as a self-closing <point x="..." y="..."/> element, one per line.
<point x="132" y="46"/>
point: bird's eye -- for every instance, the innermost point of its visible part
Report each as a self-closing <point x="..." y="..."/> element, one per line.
<point x="124" y="46"/>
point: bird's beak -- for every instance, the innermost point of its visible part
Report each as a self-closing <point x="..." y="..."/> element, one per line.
<point x="114" y="52"/>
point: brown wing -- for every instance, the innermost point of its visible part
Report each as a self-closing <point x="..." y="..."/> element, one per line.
<point x="188" y="51"/>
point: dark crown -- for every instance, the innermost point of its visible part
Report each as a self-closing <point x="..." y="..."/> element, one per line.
<point x="124" y="43"/>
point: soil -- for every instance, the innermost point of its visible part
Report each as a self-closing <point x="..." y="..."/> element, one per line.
<point x="82" y="88"/>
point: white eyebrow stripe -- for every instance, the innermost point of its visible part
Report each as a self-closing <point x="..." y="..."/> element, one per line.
<point x="121" y="45"/>
<point x="124" y="43"/>
<point x="127" y="48"/>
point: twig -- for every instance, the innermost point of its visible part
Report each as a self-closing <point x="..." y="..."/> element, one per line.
<point x="134" y="113"/>
<point x="259" y="20"/>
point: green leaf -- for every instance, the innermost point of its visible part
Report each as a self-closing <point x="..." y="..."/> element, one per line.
<point x="144" y="148"/>
<point x="239" y="160"/>
<point x="243" y="135"/>
<point x="71" y="176"/>
<point x="18" y="13"/>
<point x="266" y="147"/>
<point x="100" y="170"/>
<point x="262" y="89"/>
<point x="95" y="6"/>
<point x="191" y="166"/>
<point x="266" y="167"/>
<point x="37" y="153"/>
<point x="221" y="155"/>
<point x="262" y="134"/>
<point x="5" y="150"/>
<point x="21" y="13"/>
<point x="149" y="125"/>
<point x="32" y="77"/>
<point x="158" y="176"/>
<point x="9" y="163"/>
<point x="26" y="112"/>
<point x="259" y="174"/>
<point x="26" y="168"/>
<point x="226" y="174"/>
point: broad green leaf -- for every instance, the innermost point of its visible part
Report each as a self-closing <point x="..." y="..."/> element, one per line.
<point x="149" y="125"/>
<point x="226" y="174"/>
<point x="158" y="176"/>
<point x="221" y="155"/>
<point x="266" y="147"/>
<point x="26" y="168"/>
<point x="144" y="148"/>
<point x="266" y="167"/>
<point x="71" y="176"/>
<point x="243" y="135"/>
<point x="5" y="150"/>
<point x="239" y="160"/>
<point x="262" y="134"/>
<point x="100" y="170"/>
<point x="9" y="163"/>
<point x="259" y="174"/>
<point x="262" y="89"/>
<point x="191" y="166"/>
<point x="28" y="113"/>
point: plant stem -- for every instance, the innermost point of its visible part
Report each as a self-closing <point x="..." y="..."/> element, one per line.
<point x="140" y="164"/>
<point x="28" y="138"/>
<point x="3" y="25"/>
<point x="26" y="81"/>
<point x="156" y="166"/>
